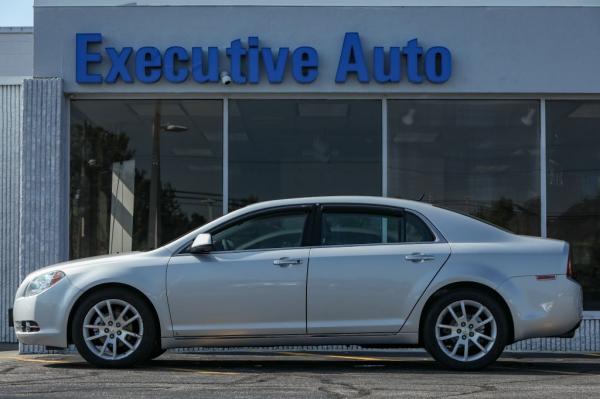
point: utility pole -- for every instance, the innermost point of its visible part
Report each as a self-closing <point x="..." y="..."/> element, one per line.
<point x="155" y="189"/>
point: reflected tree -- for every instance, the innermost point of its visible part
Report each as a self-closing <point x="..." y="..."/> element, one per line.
<point x="242" y="202"/>
<point x="173" y="221"/>
<point x="94" y="151"/>
<point x="580" y="226"/>
<point x="512" y="216"/>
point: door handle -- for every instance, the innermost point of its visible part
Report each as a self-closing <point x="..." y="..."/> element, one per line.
<point x="418" y="257"/>
<point x="285" y="261"/>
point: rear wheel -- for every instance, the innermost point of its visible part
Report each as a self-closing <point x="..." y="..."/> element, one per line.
<point x="466" y="330"/>
<point x="114" y="328"/>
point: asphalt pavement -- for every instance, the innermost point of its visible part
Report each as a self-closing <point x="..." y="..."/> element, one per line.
<point x="277" y="375"/>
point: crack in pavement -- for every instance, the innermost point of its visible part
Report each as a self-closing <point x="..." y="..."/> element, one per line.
<point x="330" y="386"/>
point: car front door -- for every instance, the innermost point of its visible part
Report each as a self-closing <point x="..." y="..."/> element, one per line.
<point x="369" y="269"/>
<point x="252" y="283"/>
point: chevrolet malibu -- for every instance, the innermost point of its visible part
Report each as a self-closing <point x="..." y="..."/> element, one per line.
<point x="375" y="272"/>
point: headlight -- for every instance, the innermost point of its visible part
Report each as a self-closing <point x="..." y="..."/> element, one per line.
<point x="43" y="282"/>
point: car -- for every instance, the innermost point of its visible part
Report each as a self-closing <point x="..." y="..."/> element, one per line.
<point x="346" y="270"/>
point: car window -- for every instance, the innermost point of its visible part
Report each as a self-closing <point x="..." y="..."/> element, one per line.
<point x="282" y="230"/>
<point x="351" y="228"/>
<point x="416" y="230"/>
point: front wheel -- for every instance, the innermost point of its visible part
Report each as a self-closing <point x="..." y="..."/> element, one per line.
<point x="158" y="351"/>
<point x="114" y="328"/>
<point x="466" y="330"/>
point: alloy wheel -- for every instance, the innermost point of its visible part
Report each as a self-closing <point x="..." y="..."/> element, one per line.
<point x="113" y="329"/>
<point x="466" y="330"/>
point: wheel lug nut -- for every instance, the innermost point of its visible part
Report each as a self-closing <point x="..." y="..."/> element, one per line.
<point x="470" y="326"/>
<point x="106" y="330"/>
<point x="458" y="331"/>
<point x="463" y="324"/>
<point x="110" y="323"/>
<point x="118" y="324"/>
<point x="119" y="333"/>
<point x="112" y="335"/>
<point x="464" y="337"/>
<point x="471" y="334"/>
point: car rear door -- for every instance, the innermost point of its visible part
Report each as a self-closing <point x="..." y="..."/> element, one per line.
<point x="253" y="282"/>
<point x="369" y="268"/>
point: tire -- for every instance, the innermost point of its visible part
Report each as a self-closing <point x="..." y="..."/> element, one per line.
<point x="122" y="340"/>
<point x="157" y="352"/>
<point x="446" y="335"/>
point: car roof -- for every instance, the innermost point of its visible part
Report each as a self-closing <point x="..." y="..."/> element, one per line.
<point x="343" y="199"/>
<point x="453" y="226"/>
<point x="346" y="199"/>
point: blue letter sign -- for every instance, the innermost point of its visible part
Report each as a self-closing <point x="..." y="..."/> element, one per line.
<point x="250" y="63"/>
<point x="83" y="57"/>
<point x="352" y="60"/>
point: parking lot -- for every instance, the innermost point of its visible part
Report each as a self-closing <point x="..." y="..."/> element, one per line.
<point x="263" y="375"/>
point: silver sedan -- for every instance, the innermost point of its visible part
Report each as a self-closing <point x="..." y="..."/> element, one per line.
<point x="311" y="271"/>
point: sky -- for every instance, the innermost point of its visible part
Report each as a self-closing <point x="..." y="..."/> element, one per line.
<point x="20" y="12"/>
<point x="16" y="12"/>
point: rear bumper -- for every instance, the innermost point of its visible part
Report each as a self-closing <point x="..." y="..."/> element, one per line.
<point x="543" y="308"/>
<point x="570" y="333"/>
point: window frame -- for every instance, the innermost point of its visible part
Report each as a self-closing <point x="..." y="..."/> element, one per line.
<point x="369" y="209"/>
<point x="307" y="230"/>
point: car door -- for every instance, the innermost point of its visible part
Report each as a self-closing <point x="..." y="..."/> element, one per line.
<point x="371" y="266"/>
<point x="252" y="283"/>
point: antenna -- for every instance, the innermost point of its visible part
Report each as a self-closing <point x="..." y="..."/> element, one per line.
<point x="422" y="196"/>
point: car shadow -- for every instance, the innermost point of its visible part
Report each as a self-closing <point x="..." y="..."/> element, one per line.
<point x="305" y="363"/>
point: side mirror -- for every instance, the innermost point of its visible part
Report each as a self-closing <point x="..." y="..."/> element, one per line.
<point x="202" y="243"/>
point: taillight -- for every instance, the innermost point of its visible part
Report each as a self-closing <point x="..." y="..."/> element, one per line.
<point x="570" y="265"/>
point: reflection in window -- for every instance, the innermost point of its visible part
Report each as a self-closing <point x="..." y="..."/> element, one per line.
<point x="263" y="232"/>
<point x="479" y="157"/>
<point x="295" y="148"/>
<point x="142" y="172"/>
<point x="341" y="228"/>
<point x="573" y="184"/>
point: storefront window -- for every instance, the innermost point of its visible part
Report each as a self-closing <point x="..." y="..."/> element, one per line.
<point x="480" y="157"/>
<point x="295" y="148"/>
<point x="573" y="184"/>
<point x="142" y="172"/>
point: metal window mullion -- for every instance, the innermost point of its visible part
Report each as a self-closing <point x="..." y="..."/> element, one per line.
<point x="384" y="147"/>
<point x="543" y="177"/>
<point x="225" y="155"/>
<point x="66" y="192"/>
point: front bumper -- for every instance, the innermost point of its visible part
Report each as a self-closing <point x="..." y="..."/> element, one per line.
<point x="543" y="308"/>
<point x="49" y="310"/>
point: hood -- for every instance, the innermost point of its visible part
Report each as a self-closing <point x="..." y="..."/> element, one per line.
<point x="93" y="261"/>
